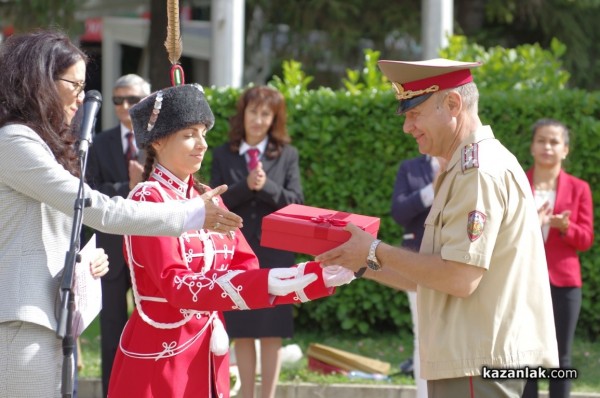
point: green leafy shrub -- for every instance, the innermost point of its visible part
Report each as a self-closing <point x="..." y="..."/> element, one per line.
<point x="528" y="66"/>
<point x="351" y="143"/>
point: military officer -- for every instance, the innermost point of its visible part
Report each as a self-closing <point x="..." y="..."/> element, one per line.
<point x="480" y="301"/>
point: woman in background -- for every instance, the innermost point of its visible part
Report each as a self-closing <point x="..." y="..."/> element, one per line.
<point x="262" y="172"/>
<point x="567" y="221"/>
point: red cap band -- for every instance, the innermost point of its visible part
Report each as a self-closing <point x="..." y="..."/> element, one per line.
<point x="447" y="80"/>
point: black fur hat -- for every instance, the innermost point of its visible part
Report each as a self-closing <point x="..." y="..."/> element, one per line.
<point x="169" y="110"/>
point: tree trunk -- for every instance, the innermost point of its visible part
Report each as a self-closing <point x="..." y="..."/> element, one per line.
<point x="159" y="62"/>
<point x="470" y="16"/>
<point x="257" y="68"/>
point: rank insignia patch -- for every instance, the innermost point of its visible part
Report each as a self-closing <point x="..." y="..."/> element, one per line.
<point x="470" y="157"/>
<point x="475" y="225"/>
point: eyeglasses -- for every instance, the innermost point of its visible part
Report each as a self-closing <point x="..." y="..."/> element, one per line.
<point x="77" y="86"/>
<point x="131" y="100"/>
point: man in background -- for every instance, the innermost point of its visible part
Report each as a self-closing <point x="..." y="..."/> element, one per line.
<point x="411" y="201"/>
<point x="114" y="169"/>
<point x="482" y="306"/>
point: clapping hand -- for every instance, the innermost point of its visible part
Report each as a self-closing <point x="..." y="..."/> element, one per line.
<point x="544" y="213"/>
<point x="560" y="221"/>
<point x="256" y="178"/>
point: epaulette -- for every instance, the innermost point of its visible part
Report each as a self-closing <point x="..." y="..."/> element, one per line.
<point x="470" y="157"/>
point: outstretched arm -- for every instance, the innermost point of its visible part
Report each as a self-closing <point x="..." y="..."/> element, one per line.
<point x="428" y="270"/>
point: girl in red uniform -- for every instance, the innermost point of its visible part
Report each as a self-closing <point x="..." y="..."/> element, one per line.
<point x="174" y="344"/>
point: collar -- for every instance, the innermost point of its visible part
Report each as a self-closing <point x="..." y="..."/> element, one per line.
<point x="435" y="164"/>
<point x="165" y="177"/>
<point x="124" y="131"/>
<point x="261" y="146"/>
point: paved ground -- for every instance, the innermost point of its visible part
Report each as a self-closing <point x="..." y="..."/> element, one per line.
<point x="91" y="388"/>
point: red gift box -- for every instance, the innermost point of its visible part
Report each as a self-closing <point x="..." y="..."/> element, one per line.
<point x="321" y="367"/>
<point x="311" y="230"/>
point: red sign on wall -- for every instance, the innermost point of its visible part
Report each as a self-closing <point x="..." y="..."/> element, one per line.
<point x="93" y="30"/>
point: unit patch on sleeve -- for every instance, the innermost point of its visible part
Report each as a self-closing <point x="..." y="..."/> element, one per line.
<point x="475" y="225"/>
<point x="470" y="157"/>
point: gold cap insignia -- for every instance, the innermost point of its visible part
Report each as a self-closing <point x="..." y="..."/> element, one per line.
<point x="402" y="94"/>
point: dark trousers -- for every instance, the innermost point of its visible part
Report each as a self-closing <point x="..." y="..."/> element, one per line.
<point x="113" y="318"/>
<point x="566" y="302"/>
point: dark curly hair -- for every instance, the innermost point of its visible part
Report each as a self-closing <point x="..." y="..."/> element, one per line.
<point x="278" y="136"/>
<point x="30" y="63"/>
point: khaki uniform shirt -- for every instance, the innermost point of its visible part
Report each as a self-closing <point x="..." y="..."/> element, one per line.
<point x="484" y="215"/>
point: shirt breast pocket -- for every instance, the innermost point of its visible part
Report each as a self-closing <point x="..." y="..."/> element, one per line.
<point x="431" y="236"/>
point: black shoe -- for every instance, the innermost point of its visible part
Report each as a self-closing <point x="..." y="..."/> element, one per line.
<point x="407" y="367"/>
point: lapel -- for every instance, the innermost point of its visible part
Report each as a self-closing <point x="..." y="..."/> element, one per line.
<point x="115" y="151"/>
<point x="563" y="187"/>
<point x="238" y="162"/>
<point x="426" y="170"/>
<point x="269" y="163"/>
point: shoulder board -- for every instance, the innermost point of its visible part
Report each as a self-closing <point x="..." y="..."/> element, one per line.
<point x="470" y="157"/>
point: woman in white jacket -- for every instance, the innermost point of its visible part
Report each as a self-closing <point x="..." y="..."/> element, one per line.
<point x="41" y="88"/>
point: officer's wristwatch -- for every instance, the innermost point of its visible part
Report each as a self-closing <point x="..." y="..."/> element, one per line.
<point x="372" y="261"/>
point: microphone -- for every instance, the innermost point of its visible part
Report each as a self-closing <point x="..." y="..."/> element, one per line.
<point x="91" y="104"/>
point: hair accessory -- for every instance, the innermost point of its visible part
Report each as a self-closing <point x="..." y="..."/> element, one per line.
<point x="180" y="105"/>
<point x="155" y="111"/>
<point x="173" y="43"/>
<point x="177" y="75"/>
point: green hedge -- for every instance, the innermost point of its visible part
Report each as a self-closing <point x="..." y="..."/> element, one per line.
<point x="350" y="147"/>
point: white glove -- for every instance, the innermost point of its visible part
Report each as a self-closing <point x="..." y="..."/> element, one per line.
<point x="283" y="281"/>
<point x="336" y="275"/>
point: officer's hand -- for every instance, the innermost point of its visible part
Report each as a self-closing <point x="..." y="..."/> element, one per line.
<point x="352" y="254"/>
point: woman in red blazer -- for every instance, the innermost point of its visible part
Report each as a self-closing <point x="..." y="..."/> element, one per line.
<point x="567" y="220"/>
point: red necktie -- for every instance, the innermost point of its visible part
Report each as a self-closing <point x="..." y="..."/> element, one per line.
<point x="252" y="158"/>
<point x="130" y="152"/>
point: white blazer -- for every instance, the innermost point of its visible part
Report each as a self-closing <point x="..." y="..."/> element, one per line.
<point x="37" y="198"/>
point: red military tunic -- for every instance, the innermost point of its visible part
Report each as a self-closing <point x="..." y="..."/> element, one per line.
<point x="180" y="287"/>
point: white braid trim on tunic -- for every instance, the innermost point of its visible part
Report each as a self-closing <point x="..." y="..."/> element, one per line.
<point x="170" y="349"/>
<point x="232" y="291"/>
<point x="194" y="283"/>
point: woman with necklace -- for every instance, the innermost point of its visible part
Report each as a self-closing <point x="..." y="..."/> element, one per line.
<point x="566" y="217"/>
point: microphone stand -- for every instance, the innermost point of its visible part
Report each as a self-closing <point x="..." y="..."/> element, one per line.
<point x="65" y="320"/>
